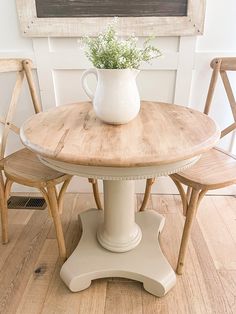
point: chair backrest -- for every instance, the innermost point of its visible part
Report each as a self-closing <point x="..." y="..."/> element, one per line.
<point x="221" y="66"/>
<point x="22" y="69"/>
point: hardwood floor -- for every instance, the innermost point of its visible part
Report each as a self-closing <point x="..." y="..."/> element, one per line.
<point x="29" y="264"/>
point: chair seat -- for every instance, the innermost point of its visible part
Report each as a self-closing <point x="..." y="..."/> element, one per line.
<point x="24" y="167"/>
<point x="215" y="169"/>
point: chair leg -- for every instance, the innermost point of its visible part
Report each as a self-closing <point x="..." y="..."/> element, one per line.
<point x="94" y="183"/>
<point x="183" y="195"/>
<point x="189" y="191"/>
<point x="149" y="183"/>
<point x="4" y="211"/>
<point x="8" y="185"/>
<point x="191" y="212"/>
<point x="62" y="193"/>
<point x="45" y="196"/>
<point x="53" y="202"/>
<point x="201" y="195"/>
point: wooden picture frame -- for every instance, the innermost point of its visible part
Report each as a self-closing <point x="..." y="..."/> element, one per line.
<point x="33" y="26"/>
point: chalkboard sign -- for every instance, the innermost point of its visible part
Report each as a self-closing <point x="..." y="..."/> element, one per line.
<point x="75" y="18"/>
<point x="99" y="8"/>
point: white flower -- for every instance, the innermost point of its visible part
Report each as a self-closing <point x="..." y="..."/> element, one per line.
<point x="107" y="51"/>
<point x="122" y="59"/>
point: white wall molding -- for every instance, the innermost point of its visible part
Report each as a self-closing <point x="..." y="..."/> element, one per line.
<point x="181" y="75"/>
<point x="45" y="72"/>
<point x="187" y="47"/>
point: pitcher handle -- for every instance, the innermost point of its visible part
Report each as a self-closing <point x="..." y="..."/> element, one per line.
<point x="85" y="83"/>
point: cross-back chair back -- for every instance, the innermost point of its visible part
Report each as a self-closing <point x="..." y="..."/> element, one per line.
<point x="31" y="173"/>
<point x="216" y="168"/>
<point x="220" y="68"/>
<point x="23" y="70"/>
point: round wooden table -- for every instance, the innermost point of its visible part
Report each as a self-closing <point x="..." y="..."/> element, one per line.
<point x="162" y="140"/>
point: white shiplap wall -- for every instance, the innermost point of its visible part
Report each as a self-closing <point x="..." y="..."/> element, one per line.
<point x="180" y="76"/>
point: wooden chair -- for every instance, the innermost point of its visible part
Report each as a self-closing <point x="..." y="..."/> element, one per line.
<point x="215" y="169"/>
<point x="23" y="166"/>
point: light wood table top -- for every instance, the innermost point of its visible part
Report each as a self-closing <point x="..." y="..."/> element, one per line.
<point x="161" y="134"/>
<point x="160" y="140"/>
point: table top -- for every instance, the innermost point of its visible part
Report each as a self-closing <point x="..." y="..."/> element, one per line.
<point x="161" y="134"/>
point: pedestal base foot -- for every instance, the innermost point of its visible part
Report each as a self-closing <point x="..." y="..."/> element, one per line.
<point x="145" y="263"/>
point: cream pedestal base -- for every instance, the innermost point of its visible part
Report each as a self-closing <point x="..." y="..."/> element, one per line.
<point x="144" y="263"/>
<point x="115" y="242"/>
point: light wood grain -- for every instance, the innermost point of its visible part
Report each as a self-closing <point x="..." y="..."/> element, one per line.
<point x="72" y="133"/>
<point x="27" y="65"/>
<point x="59" y="299"/>
<point x="11" y="111"/>
<point x="123" y="297"/>
<point x="33" y="173"/>
<point x="227" y="64"/>
<point x="228" y="214"/>
<point x="96" y="192"/>
<point x="214" y="77"/>
<point x="228" y="280"/>
<point x="189" y="295"/>
<point x="15" y="272"/>
<point x="23" y="166"/>
<point x="202" y="288"/>
<point x="229" y="92"/>
<point x="216" y="168"/>
<point x="35" y="292"/>
<point x="4" y="211"/>
<point x="190" y="215"/>
<point x="20" y="217"/>
<point x="5" y="250"/>
<point x="147" y="193"/>
<point x="52" y="197"/>
<point x="11" y="65"/>
<point x="214" y="287"/>
<point x="218" y="246"/>
<point x="31" y="25"/>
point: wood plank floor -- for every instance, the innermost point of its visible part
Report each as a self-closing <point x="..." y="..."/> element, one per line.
<point x="29" y="264"/>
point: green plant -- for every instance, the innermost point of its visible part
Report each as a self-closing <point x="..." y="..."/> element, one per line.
<point x="108" y="51"/>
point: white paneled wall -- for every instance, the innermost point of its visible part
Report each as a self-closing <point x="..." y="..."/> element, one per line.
<point x="181" y="75"/>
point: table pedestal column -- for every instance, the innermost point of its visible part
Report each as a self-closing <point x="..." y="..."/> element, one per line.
<point x="119" y="232"/>
<point x="107" y="233"/>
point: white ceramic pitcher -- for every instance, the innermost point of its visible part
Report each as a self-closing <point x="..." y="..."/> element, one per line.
<point x="116" y="99"/>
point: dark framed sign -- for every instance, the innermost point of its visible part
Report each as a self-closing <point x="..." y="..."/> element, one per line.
<point x="121" y="8"/>
<point x="40" y="18"/>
